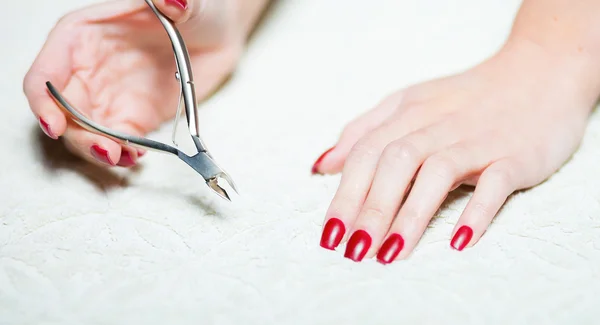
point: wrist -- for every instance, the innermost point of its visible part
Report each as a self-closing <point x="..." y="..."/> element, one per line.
<point x="558" y="40"/>
<point x="572" y="71"/>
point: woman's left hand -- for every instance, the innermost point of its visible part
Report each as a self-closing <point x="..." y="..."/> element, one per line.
<point x="507" y="124"/>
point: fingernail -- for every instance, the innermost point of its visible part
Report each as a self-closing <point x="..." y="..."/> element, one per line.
<point x="126" y="159"/>
<point x="101" y="154"/>
<point x="141" y="153"/>
<point x="390" y="249"/>
<point x="46" y="128"/>
<point x="316" y="165"/>
<point x="461" y="238"/>
<point x="179" y="3"/>
<point x="333" y="232"/>
<point x="358" y="245"/>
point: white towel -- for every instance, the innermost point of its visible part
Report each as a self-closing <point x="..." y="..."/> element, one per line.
<point x="79" y="245"/>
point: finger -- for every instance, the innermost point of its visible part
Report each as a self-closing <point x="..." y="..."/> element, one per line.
<point x="495" y="184"/>
<point x="122" y="117"/>
<point x="357" y="175"/>
<point x="99" y="149"/>
<point x="129" y="154"/>
<point x="190" y="13"/>
<point x="92" y="147"/>
<point x="53" y="64"/>
<point x="358" y="171"/>
<point x="333" y="159"/>
<point x="436" y="178"/>
<point x="176" y="10"/>
<point x="396" y="169"/>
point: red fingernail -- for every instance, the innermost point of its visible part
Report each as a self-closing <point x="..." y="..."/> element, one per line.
<point x="315" y="168"/>
<point x="358" y="245"/>
<point x="101" y="154"/>
<point x="141" y="153"/>
<point x="46" y="128"/>
<point x="126" y="159"/>
<point x="390" y="249"/>
<point x="333" y="232"/>
<point x="179" y="3"/>
<point x="461" y="238"/>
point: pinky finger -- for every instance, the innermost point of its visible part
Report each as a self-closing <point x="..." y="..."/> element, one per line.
<point x="495" y="184"/>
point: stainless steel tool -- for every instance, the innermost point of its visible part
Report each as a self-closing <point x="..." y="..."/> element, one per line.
<point x="202" y="162"/>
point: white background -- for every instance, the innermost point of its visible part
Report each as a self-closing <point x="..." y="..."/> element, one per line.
<point x="83" y="246"/>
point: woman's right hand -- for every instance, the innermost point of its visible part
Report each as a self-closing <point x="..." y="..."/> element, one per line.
<point x="114" y="62"/>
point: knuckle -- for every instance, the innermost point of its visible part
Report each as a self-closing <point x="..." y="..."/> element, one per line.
<point x="68" y="19"/>
<point x="30" y="81"/>
<point x="402" y="150"/>
<point x="25" y="86"/>
<point x="373" y="212"/>
<point x="362" y="149"/>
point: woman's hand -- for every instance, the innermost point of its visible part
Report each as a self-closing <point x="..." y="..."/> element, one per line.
<point x="114" y="61"/>
<point x="505" y="125"/>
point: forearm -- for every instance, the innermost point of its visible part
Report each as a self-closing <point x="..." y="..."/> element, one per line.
<point x="567" y="34"/>
<point x="570" y="26"/>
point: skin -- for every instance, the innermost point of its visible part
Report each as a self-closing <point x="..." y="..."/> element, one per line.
<point x="506" y="124"/>
<point x="115" y="63"/>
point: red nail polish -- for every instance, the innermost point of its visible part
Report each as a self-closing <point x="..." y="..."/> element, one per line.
<point x="141" y="153"/>
<point x="333" y="232"/>
<point x="315" y="167"/>
<point x="46" y="128"/>
<point x="101" y="154"/>
<point x="179" y="3"/>
<point x="461" y="238"/>
<point x="390" y="249"/>
<point x="126" y="159"/>
<point x="358" y="245"/>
